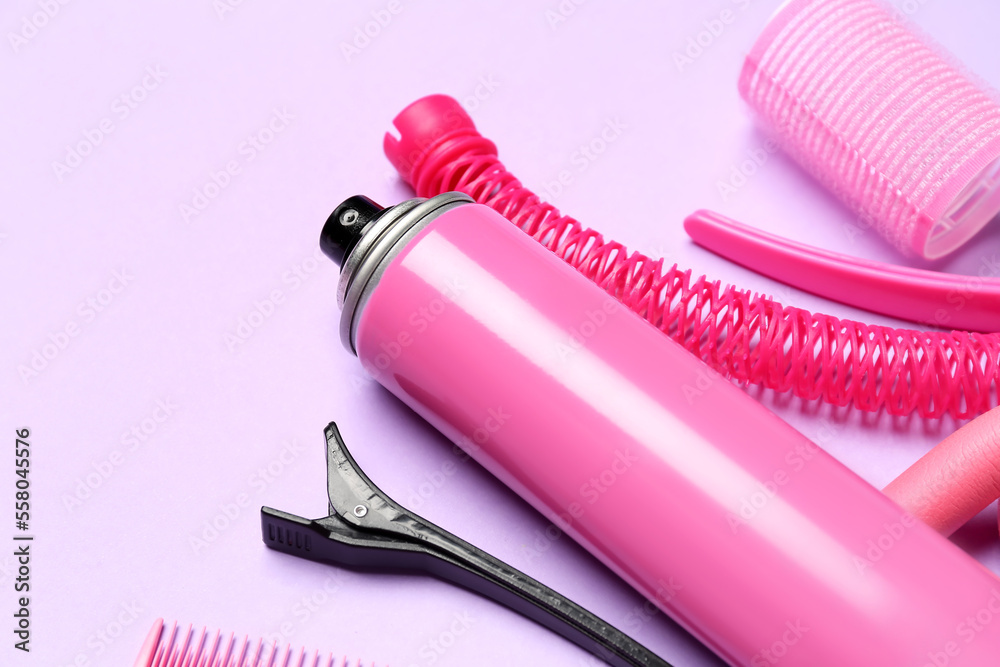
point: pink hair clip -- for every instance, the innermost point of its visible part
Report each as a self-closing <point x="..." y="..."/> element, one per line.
<point x="936" y="299"/>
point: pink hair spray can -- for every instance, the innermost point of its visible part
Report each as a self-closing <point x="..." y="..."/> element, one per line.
<point x="757" y="541"/>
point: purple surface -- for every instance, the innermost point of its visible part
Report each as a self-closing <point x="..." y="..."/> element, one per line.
<point x="108" y="560"/>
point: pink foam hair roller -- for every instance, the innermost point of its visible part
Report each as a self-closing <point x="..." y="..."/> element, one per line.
<point x="737" y="526"/>
<point x="885" y="121"/>
<point x="744" y="336"/>
<point x="957" y="479"/>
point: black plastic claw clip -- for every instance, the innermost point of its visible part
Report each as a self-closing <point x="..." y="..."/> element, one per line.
<point x="367" y="530"/>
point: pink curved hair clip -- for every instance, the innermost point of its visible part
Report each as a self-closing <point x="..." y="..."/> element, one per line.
<point x="938" y="299"/>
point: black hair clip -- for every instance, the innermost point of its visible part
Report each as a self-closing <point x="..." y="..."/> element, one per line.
<point x="367" y="530"/>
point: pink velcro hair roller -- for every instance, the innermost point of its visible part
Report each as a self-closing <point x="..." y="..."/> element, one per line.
<point x="902" y="136"/>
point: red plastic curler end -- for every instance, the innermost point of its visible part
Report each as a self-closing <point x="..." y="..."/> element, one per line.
<point x="423" y="128"/>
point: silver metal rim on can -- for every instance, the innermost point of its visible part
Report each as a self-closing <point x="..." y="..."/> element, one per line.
<point x="363" y="268"/>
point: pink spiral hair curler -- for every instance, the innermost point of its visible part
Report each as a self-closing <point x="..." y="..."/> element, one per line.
<point x="737" y="526"/>
<point x="746" y="337"/>
<point x="882" y="119"/>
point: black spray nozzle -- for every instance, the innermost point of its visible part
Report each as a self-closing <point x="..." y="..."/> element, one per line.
<point x="344" y="227"/>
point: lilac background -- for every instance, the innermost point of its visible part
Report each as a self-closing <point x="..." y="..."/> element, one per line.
<point x="540" y="91"/>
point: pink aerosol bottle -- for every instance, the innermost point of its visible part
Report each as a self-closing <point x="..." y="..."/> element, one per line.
<point x="741" y="529"/>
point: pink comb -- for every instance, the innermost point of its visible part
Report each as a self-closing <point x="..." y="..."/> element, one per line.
<point x="170" y="647"/>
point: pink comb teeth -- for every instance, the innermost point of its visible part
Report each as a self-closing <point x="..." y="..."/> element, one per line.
<point x="171" y="647"/>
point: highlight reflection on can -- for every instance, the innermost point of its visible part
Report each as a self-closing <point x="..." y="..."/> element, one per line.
<point x="741" y="529"/>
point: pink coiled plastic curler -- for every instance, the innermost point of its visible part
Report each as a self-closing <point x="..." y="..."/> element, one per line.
<point x="746" y="533"/>
<point x="749" y="338"/>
